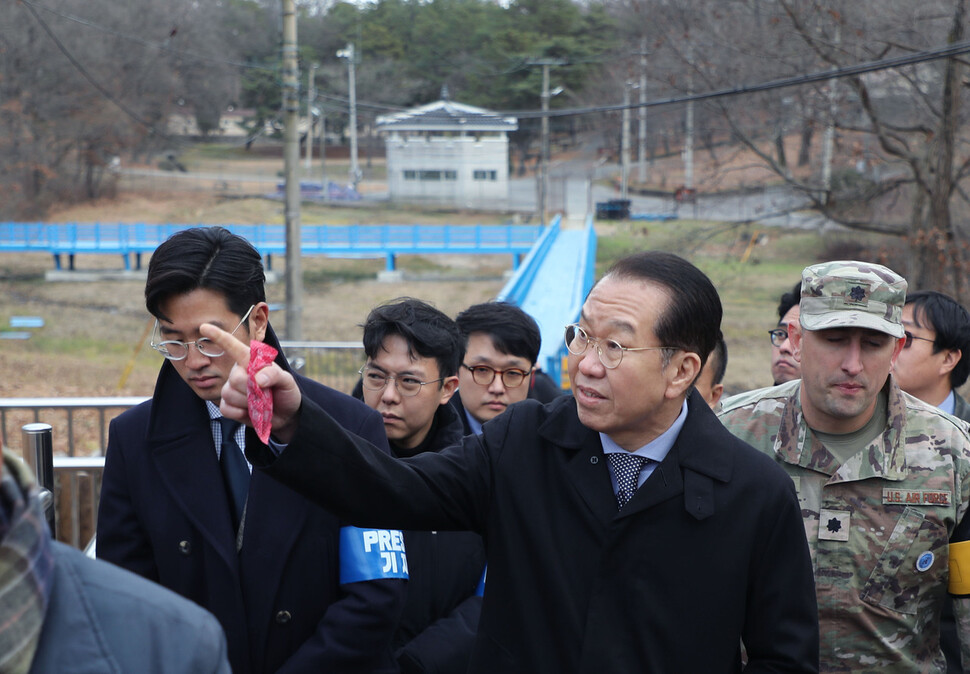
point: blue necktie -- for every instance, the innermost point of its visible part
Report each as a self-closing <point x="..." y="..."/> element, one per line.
<point x="235" y="470"/>
<point x="626" y="469"/>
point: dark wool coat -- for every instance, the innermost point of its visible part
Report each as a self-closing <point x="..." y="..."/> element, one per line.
<point x="710" y="551"/>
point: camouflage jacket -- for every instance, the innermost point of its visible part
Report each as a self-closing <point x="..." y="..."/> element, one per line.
<point x="877" y="525"/>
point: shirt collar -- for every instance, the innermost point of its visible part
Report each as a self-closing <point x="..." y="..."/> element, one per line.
<point x="474" y="424"/>
<point x="656" y="449"/>
<point x="948" y="403"/>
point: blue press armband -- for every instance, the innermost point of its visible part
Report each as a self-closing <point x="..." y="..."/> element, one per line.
<point x="480" y="590"/>
<point x="371" y="554"/>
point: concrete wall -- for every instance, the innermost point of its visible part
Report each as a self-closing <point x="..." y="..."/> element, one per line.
<point x="470" y="172"/>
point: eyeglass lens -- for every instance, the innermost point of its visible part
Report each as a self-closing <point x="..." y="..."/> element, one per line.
<point x="609" y="351"/>
<point x="375" y="380"/>
<point x="484" y="375"/>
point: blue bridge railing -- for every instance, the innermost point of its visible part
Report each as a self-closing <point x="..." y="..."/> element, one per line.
<point x="131" y="240"/>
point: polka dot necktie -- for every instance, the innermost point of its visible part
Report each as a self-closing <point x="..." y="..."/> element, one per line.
<point x="626" y="469"/>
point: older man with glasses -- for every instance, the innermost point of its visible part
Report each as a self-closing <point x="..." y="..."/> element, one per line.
<point x="294" y="588"/>
<point x="626" y="529"/>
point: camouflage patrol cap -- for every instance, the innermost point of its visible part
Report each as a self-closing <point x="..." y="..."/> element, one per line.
<point x="849" y="294"/>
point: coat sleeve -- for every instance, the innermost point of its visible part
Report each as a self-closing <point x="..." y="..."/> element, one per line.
<point x="363" y="485"/>
<point x="121" y="538"/>
<point x="446" y="644"/>
<point x="355" y="633"/>
<point x="780" y="632"/>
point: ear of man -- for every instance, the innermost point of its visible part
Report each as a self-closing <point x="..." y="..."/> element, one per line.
<point x="681" y="372"/>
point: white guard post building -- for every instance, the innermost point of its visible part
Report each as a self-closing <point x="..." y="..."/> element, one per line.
<point x="448" y="153"/>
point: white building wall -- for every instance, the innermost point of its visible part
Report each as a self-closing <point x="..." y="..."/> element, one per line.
<point x="456" y="159"/>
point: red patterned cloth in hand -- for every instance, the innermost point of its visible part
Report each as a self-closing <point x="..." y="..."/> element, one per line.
<point x="260" y="402"/>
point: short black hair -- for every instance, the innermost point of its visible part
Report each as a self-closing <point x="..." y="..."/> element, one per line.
<point x="209" y="258"/>
<point x="789" y="299"/>
<point x="692" y="319"/>
<point x="429" y="333"/>
<point x="951" y="322"/>
<point x="512" y="331"/>
<point x="718" y="360"/>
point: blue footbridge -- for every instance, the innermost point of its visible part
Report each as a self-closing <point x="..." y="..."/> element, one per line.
<point x="553" y="265"/>
<point x="551" y="285"/>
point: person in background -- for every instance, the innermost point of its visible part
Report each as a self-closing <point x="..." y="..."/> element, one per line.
<point x="931" y="367"/>
<point x="63" y="612"/>
<point x="501" y="348"/>
<point x="784" y="367"/>
<point x="708" y="383"/>
<point x="293" y="586"/>
<point x="413" y="353"/>
<point x="883" y="479"/>
<point x="626" y="529"/>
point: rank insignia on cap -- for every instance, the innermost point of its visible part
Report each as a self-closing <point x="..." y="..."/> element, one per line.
<point x="858" y="295"/>
<point x="833" y="525"/>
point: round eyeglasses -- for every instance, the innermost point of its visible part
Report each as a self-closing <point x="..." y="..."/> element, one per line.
<point x="373" y="379"/>
<point x="174" y="349"/>
<point x="483" y="375"/>
<point x="778" y="336"/>
<point x="610" y="351"/>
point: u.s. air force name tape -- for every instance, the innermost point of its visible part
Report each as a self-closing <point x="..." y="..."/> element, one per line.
<point x="371" y="554"/>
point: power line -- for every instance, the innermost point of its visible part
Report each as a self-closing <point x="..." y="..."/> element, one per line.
<point x="948" y="51"/>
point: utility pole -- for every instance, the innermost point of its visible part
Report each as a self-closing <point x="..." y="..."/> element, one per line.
<point x="642" y="116"/>
<point x="544" y="133"/>
<point x="311" y="93"/>
<point x="689" y="141"/>
<point x="350" y="55"/>
<point x="625" y="144"/>
<point x="291" y="161"/>
<point x="829" y="139"/>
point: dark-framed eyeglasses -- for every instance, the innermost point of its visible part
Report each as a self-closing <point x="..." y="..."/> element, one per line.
<point x="610" y="351"/>
<point x="908" y="338"/>
<point x="374" y="379"/>
<point x="483" y="375"/>
<point x="778" y="336"/>
<point x="174" y="349"/>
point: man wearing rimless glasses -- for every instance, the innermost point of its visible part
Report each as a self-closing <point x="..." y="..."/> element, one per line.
<point x="179" y="506"/>
<point x="626" y="530"/>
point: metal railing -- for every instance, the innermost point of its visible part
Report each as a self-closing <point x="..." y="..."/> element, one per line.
<point x="73" y="434"/>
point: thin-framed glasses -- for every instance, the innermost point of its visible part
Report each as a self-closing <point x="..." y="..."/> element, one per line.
<point x="909" y="337"/>
<point x="778" y="336"/>
<point x="483" y="375"/>
<point x="174" y="349"/>
<point x="610" y="351"/>
<point x="373" y="379"/>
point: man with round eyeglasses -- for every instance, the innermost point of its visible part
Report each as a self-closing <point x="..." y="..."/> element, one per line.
<point x="626" y="529"/>
<point x="501" y="348"/>
<point x="180" y="507"/>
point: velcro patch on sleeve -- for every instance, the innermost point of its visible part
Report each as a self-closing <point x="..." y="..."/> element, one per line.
<point x="371" y="554"/>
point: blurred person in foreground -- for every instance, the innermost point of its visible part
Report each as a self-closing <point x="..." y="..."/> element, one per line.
<point x="784" y="367"/>
<point x="63" y="612"/>
<point x="883" y="479"/>
<point x="413" y="352"/>
<point x="295" y="587"/>
<point x="626" y="529"/>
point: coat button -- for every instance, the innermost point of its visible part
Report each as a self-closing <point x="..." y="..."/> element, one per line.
<point x="185" y="547"/>
<point x="283" y="617"/>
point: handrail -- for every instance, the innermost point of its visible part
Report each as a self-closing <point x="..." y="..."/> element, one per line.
<point x="517" y="286"/>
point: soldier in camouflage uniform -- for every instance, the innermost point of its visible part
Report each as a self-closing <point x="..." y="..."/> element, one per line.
<point x="883" y="479"/>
